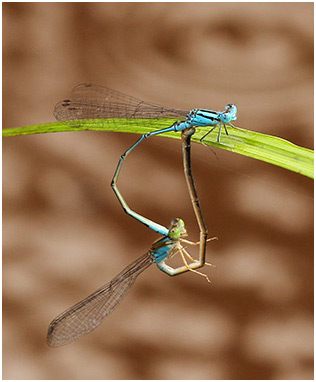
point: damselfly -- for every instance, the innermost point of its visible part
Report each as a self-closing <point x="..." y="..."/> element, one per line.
<point x="91" y="101"/>
<point x="88" y="314"/>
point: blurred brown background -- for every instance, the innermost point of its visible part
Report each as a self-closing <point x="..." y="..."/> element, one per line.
<point x="65" y="234"/>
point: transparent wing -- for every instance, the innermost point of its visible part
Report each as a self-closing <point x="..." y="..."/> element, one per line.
<point x="87" y="314"/>
<point x="91" y="101"/>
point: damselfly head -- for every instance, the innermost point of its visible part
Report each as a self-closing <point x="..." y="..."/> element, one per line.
<point x="229" y="115"/>
<point x="177" y="229"/>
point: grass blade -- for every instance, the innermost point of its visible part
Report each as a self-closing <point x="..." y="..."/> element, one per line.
<point x="267" y="148"/>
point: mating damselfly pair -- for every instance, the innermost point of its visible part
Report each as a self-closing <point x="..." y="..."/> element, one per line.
<point x="96" y="102"/>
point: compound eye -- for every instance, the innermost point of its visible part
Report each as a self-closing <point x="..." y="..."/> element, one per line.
<point x="174" y="233"/>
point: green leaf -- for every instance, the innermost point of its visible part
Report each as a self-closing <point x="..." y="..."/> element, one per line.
<point x="264" y="147"/>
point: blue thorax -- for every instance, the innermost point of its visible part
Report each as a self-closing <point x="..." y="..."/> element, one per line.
<point x="161" y="249"/>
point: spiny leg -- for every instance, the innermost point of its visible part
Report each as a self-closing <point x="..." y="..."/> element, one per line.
<point x="196" y="243"/>
<point x="181" y="250"/>
<point x="205" y="135"/>
<point x="225" y="129"/>
<point x="219" y="134"/>
<point x="219" y="125"/>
